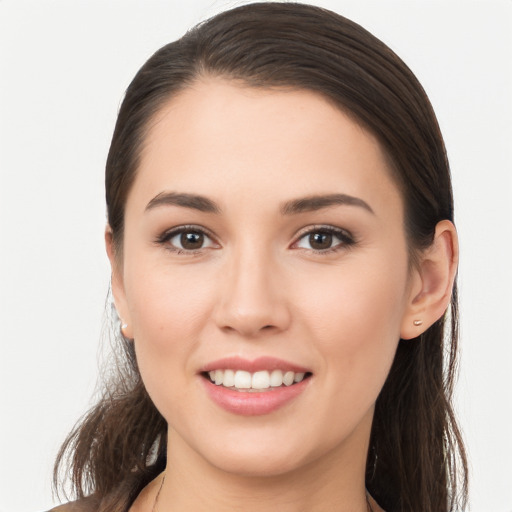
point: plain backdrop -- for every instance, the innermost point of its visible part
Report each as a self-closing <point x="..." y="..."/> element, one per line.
<point x="64" y="66"/>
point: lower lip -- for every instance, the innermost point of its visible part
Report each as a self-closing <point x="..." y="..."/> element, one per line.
<point x="247" y="403"/>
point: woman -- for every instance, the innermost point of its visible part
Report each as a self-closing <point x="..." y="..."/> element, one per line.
<point x="280" y="230"/>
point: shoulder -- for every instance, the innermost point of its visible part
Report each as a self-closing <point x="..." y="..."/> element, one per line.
<point x="88" y="504"/>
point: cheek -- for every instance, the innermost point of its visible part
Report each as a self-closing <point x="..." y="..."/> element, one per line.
<point x="166" y="303"/>
<point x="355" y="317"/>
<point x="169" y="308"/>
<point x="169" y="311"/>
<point x="354" y="320"/>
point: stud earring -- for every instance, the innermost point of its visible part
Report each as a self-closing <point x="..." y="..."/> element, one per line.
<point x="123" y="327"/>
<point x="417" y="323"/>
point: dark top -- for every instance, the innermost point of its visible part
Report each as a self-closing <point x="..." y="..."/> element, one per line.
<point x="88" y="504"/>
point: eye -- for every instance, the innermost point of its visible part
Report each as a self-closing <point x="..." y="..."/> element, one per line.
<point x="324" y="239"/>
<point x="186" y="239"/>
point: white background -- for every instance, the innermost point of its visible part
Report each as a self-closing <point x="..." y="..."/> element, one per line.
<point x="64" y="66"/>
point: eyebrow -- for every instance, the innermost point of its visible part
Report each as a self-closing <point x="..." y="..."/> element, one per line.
<point x="313" y="203"/>
<point x="196" y="202"/>
<point x="293" y="207"/>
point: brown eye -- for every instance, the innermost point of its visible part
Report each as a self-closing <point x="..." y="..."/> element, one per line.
<point x="325" y="239"/>
<point x="191" y="240"/>
<point x="182" y="240"/>
<point x="320" y="241"/>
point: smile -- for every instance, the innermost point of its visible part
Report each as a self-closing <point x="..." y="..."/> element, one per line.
<point x="257" y="387"/>
<point x="241" y="380"/>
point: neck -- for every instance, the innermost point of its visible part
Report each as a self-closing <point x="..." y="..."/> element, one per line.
<point x="334" y="481"/>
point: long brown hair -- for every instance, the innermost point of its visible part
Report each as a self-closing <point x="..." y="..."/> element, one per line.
<point x="416" y="460"/>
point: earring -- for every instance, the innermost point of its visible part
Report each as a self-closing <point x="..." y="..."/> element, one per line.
<point x="123" y="327"/>
<point x="417" y="323"/>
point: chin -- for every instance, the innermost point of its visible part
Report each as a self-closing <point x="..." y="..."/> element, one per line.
<point x="263" y="453"/>
<point x="259" y="464"/>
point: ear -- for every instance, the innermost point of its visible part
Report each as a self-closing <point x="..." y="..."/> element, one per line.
<point x="118" y="285"/>
<point x="432" y="282"/>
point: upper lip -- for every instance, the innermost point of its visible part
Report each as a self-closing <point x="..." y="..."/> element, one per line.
<point x="255" y="365"/>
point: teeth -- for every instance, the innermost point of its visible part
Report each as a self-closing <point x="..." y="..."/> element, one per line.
<point x="288" y="378"/>
<point x="298" y="377"/>
<point x="229" y="378"/>
<point x="260" y="380"/>
<point x="276" y="378"/>
<point x="243" y="380"/>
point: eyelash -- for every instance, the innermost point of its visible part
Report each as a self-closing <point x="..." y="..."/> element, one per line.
<point x="345" y="238"/>
<point x="167" y="236"/>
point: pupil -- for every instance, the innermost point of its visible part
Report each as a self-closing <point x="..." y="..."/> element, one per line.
<point x="192" y="240"/>
<point x="320" y="240"/>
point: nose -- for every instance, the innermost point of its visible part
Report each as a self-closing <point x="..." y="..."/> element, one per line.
<point x="253" y="300"/>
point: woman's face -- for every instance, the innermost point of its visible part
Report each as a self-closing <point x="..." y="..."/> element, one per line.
<point x="263" y="236"/>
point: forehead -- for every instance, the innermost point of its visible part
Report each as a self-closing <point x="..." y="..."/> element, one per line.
<point x="221" y="138"/>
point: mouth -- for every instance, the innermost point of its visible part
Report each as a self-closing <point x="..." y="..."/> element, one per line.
<point x="256" y="382"/>
<point x="254" y="387"/>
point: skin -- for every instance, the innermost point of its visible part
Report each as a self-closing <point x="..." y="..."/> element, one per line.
<point x="257" y="288"/>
